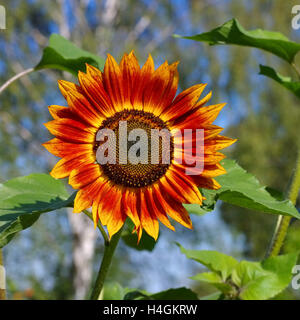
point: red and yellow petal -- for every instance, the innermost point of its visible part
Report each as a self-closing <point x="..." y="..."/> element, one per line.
<point x="129" y="203"/>
<point x="84" y="175"/>
<point x="64" y="167"/>
<point x="80" y="105"/>
<point x="71" y="131"/>
<point x="173" y="208"/>
<point x="182" y="185"/>
<point x="58" y="112"/>
<point x="149" y="221"/>
<point x="98" y="203"/>
<point x="93" y="88"/>
<point x="207" y="183"/>
<point x="142" y="79"/>
<point x="67" y="86"/>
<point x="183" y="103"/>
<point x="111" y="209"/>
<point x="113" y="80"/>
<point x="161" y="90"/>
<point x="85" y="196"/>
<point x="61" y="148"/>
<point x="211" y="171"/>
<point x="200" y="117"/>
<point x="130" y="70"/>
<point x="157" y="208"/>
<point x="219" y="142"/>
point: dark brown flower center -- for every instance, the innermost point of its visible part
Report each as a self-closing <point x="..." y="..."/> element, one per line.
<point x="140" y="174"/>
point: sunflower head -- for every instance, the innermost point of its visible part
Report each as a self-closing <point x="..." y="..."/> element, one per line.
<point x="118" y="147"/>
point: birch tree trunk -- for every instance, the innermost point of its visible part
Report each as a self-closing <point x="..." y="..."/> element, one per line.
<point x="84" y="240"/>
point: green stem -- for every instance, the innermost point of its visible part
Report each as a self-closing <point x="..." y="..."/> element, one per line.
<point x="283" y="222"/>
<point x="109" y="250"/>
<point x="100" y="227"/>
<point x="296" y="69"/>
<point x="2" y="291"/>
<point x="14" y="78"/>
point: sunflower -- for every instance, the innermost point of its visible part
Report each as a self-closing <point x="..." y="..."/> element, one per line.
<point x="145" y="98"/>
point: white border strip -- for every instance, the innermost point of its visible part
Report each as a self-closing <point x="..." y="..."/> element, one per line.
<point x="2" y="278"/>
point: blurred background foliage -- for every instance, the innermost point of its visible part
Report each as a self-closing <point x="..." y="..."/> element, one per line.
<point x="56" y="258"/>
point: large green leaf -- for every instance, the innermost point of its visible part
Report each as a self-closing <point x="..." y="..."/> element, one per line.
<point x="263" y="280"/>
<point x="62" y="54"/>
<point x="242" y="189"/>
<point x="170" y="294"/>
<point x="287" y="82"/>
<point x="217" y="262"/>
<point x="232" y="32"/>
<point x="23" y="199"/>
<point x="245" y="280"/>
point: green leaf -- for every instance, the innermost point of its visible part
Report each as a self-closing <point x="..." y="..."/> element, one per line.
<point x="113" y="291"/>
<point x="247" y="271"/>
<point x="62" y="54"/>
<point x="232" y="32"/>
<point x="170" y="294"/>
<point x="23" y="199"/>
<point x="217" y="262"/>
<point x="264" y="280"/>
<point x="213" y="296"/>
<point x="276" y="194"/>
<point x="242" y="189"/>
<point x="209" y="277"/>
<point x="137" y="295"/>
<point x="131" y="240"/>
<point x="195" y="209"/>
<point x="287" y="82"/>
<point x="207" y="205"/>
<point x="146" y="243"/>
<point x="214" y="279"/>
<point x="175" y="294"/>
<point x="244" y="280"/>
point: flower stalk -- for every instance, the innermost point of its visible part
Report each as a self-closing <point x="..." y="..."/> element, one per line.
<point x="100" y="227"/>
<point x="109" y="250"/>
<point x="283" y="222"/>
<point x="14" y="78"/>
